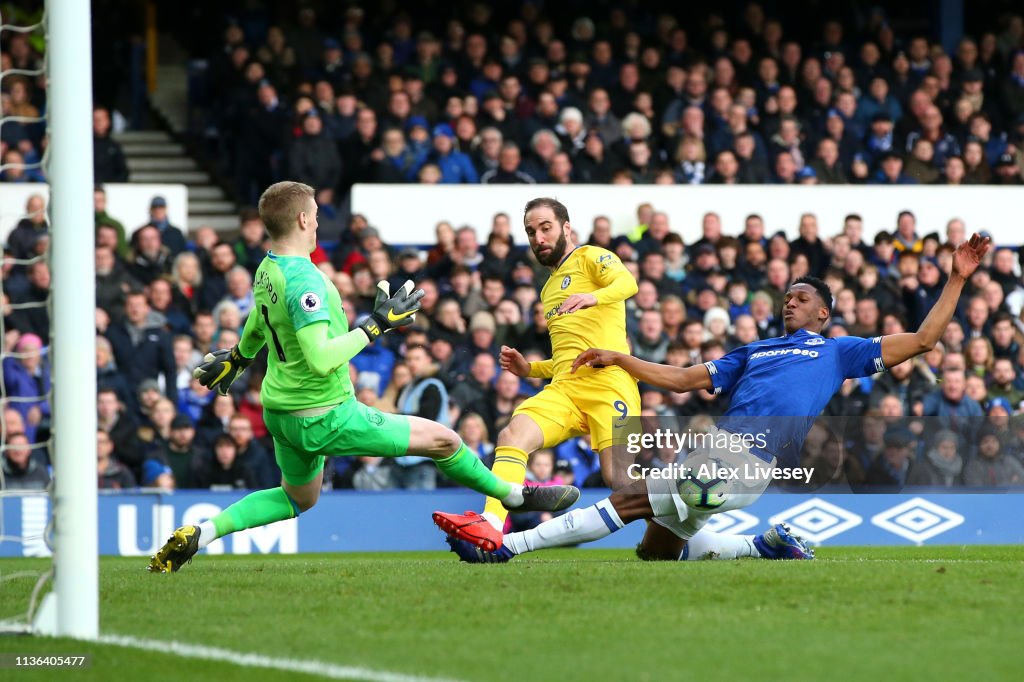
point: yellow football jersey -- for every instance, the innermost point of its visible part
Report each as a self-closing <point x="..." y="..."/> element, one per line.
<point x="587" y="270"/>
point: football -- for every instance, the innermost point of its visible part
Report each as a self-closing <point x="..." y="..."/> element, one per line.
<point x="703" y="492"/>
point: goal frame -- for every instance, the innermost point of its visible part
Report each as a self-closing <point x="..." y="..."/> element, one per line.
<point x="75" y="514"/>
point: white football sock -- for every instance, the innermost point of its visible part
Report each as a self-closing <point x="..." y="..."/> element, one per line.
<point x="493" y="519"/>
<point x="578" y="526"/>
<point x="707" y="544"/>
<point x="207" y="533"/>
<point x="513" y="499"/>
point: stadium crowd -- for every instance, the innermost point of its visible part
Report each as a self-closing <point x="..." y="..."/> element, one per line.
<point x="499" y="97"/>
<point x="527" y="101"/>
<point x="954" y="416"/>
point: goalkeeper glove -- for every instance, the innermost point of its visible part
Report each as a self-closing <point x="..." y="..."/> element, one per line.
<point x="220" y="368"/>
<point x="391" y="312"/>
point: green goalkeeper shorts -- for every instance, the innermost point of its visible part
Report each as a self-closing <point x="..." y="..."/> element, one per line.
<point x="350" y="429"/>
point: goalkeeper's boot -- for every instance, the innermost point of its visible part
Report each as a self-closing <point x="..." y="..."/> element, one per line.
<point x="547" y="498"/>
<point x="177" y="552"/>
<point x="778" y="542"/>
<point x="471" y="527"/>
<point x="472" y="554"/>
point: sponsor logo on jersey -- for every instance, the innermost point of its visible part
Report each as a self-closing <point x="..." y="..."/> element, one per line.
<point x="310" y="302"/>
<point x="566" y="281"/>
<point x="784" y="351"/>
<point x="605" y="257"/>
<point x="816" y="341"/>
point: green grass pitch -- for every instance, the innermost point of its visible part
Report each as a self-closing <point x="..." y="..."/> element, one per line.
<point x="925" y="613"/>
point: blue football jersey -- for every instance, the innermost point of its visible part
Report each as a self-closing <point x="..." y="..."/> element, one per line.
<point x="793" y="377"/>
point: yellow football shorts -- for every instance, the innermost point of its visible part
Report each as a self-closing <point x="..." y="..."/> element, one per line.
<point x="600" y="403"/>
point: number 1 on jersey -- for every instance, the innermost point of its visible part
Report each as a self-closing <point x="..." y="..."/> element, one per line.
<point x="273" y="334"/>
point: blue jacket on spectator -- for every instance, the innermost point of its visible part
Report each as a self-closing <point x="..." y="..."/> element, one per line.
<point x="144" y="354"/>
<point x="963" y="418"/>
<point x="20" y="383"/>
<point x="580" y="458"/>
<point x="456" y="168"/>
<point x="375" y="358"/>
<point x="192" y="404"/>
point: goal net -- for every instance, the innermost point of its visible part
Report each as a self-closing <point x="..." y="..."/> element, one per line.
<point x="24" y="428"/>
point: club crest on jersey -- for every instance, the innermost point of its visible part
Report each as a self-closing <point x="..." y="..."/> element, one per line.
<point x="566" y="282"/>
<point x="816" y="341"/>
<point x="310" y="302"/>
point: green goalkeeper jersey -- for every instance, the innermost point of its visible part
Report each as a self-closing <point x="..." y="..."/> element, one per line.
<point x="291" y="293"/>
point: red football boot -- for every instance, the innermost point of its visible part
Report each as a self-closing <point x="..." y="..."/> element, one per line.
<point x="471" y="527"/>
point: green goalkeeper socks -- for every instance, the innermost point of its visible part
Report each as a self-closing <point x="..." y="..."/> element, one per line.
<point x="267" y="506"/>
<point x="256" y="509"/>
<point x="466" y="469"/>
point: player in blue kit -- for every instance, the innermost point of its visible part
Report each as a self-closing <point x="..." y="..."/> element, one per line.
<point x="792" y="376"/>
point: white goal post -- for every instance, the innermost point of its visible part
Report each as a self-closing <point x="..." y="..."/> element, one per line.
<point x="76" y="560"/>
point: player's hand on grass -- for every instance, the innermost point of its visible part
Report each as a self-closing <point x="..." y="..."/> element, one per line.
<point x="968" y="255"/>
<point x="391" y="312"/>
<point x="220" y="368"/>
<point x="596" y="358"/>
<point x="512" y="360"/>
<point x="577" y="302"/>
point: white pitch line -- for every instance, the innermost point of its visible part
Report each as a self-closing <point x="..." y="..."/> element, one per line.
<point x="329" y="670"/>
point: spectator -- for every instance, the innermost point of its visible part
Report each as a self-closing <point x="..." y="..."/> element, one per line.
<point x="15" y="162"/>
<point x="921" y="164"/>
<point x="184" y="456"/>
<point x="240" y="290"/>
<point x="23" y="238"/>
<point x="259" y="148"/>
<point x="214" y="278"/>
<point x="251" y="454"/>
<point x="372" y="475"/>
<point x="312" y="158"/>
<point x="21" y="470"/>
<point x="105" y="219"/>
<point x="224" y="471"/>
<point x="141" y="347"/>
<point x="991" y="467"/>
<point x="905" y="381"/>
<point x="112" y="474"/>
<point x="508" y="170"/>
<point x="473" y="431"/>
<point x="108" y="160"/>
<point x="455" y="166"/>
<point x="427" y="398"/>
<point x="186" y="280"/>
<point x="156" y="474"/>
<point x="890" y="171"/>
<point x="149" y="258"/>
<point x="955" y="410"/>
<point x="893" y="467"/>
<point x="33" y="316"/>
<point x="250" y="247"/>
<point x="27" y="379"/>
<point x="170" y="236"/>
<point x="651" y="343"/>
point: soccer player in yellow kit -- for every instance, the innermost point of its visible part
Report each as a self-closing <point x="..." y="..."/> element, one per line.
<point x="584" y="304"/>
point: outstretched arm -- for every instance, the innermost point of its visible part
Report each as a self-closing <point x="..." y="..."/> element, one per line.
<point x="678" y="379"/>
<point x="898" y="347"/>
<point x="323" y="355"/>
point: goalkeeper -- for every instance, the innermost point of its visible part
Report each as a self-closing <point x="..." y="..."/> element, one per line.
<point x="308" y="399"/>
